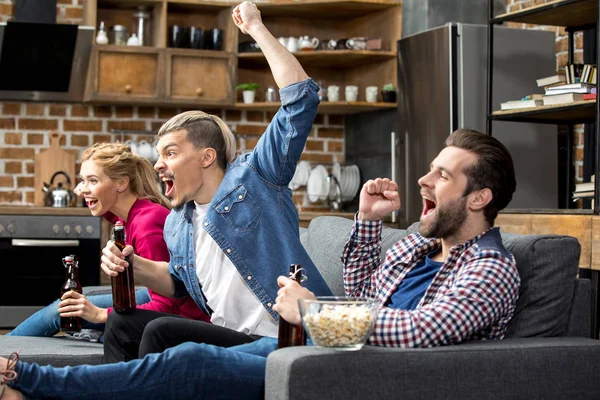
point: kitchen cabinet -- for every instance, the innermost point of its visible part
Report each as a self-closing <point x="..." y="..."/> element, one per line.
<point x="127" y="75"/>
<point x="207" y="78"/>
<point x="191" y="77"/>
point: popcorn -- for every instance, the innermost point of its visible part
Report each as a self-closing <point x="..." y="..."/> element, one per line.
<point x="340" y="325"/>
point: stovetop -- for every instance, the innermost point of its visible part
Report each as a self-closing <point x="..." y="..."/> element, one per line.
<point x="50" y="226"/>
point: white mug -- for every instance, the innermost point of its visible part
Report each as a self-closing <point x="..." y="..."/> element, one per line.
<point x="351" y="93"/>
<point x="371" y="94"/>
<point x="292" y="44"/>
<point x="333" y="93"/>
<point x="282" y="40"/>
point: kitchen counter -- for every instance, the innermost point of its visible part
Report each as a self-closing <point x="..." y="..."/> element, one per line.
<point x="35" y="210"/>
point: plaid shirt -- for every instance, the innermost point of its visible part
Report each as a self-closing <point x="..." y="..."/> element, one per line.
<point x="473" y="296"/>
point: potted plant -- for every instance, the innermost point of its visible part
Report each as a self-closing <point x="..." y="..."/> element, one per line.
<point x="248" y="91"/>
<point x="388" y="93"/>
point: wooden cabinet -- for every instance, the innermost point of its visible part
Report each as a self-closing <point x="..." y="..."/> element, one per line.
<point x="190" y="77"/>
<point x="206" y="78"/>
<point x="125" y="75"/>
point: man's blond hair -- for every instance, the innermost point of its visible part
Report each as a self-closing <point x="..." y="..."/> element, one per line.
<point x="204" y="130"/>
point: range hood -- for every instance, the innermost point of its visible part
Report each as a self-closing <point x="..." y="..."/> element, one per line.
<point x="44" y="61"/>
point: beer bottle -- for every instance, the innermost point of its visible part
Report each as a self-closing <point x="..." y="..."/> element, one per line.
<point x="123" y="287"/>
<point x="290" y="334"/>
<point x="71" y="324"/>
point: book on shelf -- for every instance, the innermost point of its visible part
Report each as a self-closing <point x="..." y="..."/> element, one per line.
<point x="514" y="104"/>
<point x="534" y="96"/>
<point x="551" y="80"/>
<point x="562" y="98"/>
<point x="589" y="96"/>
<point x="585" y="186"/>
<point x="580" y="87"/>
<point x="573" y="72"/>
<point x="588" y="74"/>
<point x="583" y="195"/>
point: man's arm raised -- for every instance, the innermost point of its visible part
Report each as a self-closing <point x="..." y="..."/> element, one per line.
<point x="284" y="66"/>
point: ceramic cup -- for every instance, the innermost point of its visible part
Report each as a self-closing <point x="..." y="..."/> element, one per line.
<point x="351" y="93"/>
<point x="333" y="93"/>
<point x="371" y="94"/>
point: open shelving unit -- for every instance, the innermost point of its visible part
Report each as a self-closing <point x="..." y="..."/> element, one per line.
<point x="164" y="76"/>
<point x="573" y="15"/>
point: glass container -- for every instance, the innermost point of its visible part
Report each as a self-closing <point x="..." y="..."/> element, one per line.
<point x="142" y="26"/>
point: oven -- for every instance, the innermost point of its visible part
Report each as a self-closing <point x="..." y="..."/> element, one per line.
<point x="31" y="251"/>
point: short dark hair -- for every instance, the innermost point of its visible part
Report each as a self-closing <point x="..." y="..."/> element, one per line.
<point x="494" y="168"/>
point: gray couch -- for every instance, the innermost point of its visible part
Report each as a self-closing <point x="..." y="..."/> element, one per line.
<point x="547" y="353"/>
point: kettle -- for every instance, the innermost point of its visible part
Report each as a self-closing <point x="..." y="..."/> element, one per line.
<point x="59" y="196"/>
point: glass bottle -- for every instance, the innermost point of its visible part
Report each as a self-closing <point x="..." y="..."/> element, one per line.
<point x="290" y="334"/>
<point x="123" y="286"/>
<point x="71" y="324"/>
<point x="141" y="26"/>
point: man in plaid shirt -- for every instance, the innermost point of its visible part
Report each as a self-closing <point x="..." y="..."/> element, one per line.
<point x="453" y="280"/>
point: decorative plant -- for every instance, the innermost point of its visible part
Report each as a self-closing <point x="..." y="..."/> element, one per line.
<point x="388" y="93"/>
<point x="248" y="86"/>
<point x="389" y="87"/>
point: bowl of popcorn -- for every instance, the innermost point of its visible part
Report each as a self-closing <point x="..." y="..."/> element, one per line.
<point x="343" y="323"/>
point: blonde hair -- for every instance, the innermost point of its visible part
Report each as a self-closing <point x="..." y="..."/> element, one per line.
<point x="119" y="162"/>
<point x="204" y="130"/>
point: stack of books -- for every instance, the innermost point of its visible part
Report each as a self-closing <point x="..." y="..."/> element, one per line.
<point x="567" y="93"/>
<point x="576" y="85"/>
<point x="584" y="190"/>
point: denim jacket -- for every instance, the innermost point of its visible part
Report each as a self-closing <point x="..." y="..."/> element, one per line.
<point x="252" y="216"/>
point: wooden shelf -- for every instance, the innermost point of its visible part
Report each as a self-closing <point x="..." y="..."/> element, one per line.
<point x="326" y="107"/>
<point x="568" y="13"/>
<point x="127" y="4"/>
<point x="578" y="112"/>
<point x="185" y="5"/>
<point x="322" y="58"/>
<point x="323" y="9"/>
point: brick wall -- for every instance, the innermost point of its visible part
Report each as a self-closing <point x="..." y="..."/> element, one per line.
<point x="25" y="129"/>
<point x="561" y="61"/>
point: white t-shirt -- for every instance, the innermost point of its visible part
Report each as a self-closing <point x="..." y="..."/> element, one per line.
<point x="233" y="303"/>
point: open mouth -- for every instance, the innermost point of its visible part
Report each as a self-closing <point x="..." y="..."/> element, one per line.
<point x="168" y="186"/>
<point x="428" y="206"/>
<point x="91" y="203"/>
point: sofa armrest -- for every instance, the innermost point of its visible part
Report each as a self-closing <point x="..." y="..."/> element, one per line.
<point x="544" y="368"/>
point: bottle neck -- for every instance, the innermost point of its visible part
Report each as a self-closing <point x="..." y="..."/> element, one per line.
<point x="72" y="272"/>
<point x="119" y="233"/>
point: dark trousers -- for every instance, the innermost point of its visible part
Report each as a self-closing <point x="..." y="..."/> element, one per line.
<point x="130" y="336"/>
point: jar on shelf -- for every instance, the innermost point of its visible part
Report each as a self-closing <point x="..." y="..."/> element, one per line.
<point x="141" y="26"/>
<point x="120" y="35"/>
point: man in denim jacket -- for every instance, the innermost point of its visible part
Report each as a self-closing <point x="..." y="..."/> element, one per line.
<point x="233" y="228"/>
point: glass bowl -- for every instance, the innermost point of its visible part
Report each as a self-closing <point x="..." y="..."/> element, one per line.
<point x="343" y="323"/>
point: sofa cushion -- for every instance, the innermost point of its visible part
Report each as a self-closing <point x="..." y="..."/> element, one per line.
<point x="55" y="351"/>
<point x="548" y="267"/>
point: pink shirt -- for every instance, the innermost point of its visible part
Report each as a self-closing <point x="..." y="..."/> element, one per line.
<point x="144" y="230"/>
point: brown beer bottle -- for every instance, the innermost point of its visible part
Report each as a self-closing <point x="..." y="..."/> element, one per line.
<point x="123" y="287"/>
<point x="71" y="324"/>
<point x="290" y="334"/>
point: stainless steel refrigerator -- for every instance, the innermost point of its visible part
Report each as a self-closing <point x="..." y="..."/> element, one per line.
<point x="442" y="86"/>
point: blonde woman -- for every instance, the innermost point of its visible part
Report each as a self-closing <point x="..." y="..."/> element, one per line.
<point x="118" y="185"/>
